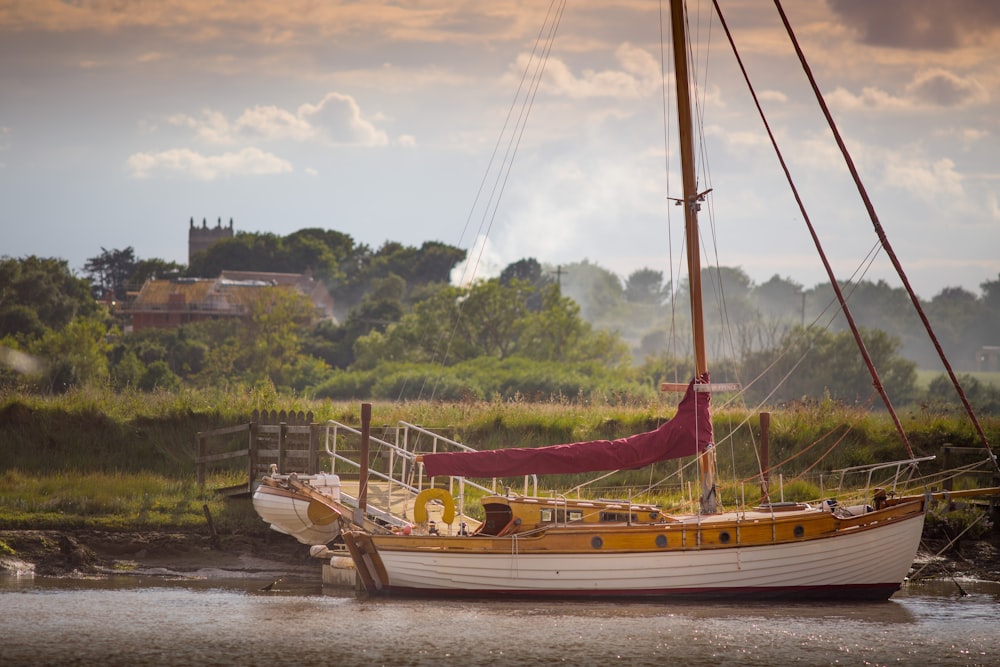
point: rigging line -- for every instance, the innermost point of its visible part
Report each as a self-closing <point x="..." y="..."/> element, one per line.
<point x="876" y="381"/>
<point x="814" y="443"/>
<point x="538" y="61"/>
<point x="472" y="266"/>
<point x="503" y="129"/>
<point x="665" y="97"/>
<point x="503" y="173"/>
<point x="880" y="232"/>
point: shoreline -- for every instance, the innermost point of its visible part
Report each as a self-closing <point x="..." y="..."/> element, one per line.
<point x="88" y="552"/>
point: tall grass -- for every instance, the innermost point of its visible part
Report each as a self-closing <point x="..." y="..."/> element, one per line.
<point x="136" y="501"/>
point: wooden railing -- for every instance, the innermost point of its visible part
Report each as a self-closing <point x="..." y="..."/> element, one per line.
<point x="290" y="442"/>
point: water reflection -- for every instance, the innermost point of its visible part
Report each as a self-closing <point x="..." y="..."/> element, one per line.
<point x="133" y="620"/>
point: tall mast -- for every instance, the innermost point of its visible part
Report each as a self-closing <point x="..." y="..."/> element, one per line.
<point x="706" y="460"/>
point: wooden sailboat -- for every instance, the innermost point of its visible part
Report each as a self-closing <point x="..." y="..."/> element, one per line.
<point x="558" y="547"/>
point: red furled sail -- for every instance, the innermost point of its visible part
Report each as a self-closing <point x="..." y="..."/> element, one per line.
<point x="689" y="432"/>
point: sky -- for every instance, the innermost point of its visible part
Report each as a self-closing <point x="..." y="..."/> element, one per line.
<point x="121" y="120"/>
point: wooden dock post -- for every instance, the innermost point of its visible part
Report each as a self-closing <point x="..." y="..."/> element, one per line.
<point x="366" y="426"/>
<point x="200" y="437"/>
<point x="252" y="445"/>
<point x="313" y="466"/>
<point x="765" y="445"/>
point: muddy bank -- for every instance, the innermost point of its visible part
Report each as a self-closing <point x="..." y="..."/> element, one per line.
<point x="91" y="552"/>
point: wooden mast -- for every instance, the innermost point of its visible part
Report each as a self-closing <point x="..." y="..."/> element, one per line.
<point x="706" y="460"/>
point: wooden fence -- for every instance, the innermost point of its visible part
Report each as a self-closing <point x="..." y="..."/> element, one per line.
<point x="290" y="441"/>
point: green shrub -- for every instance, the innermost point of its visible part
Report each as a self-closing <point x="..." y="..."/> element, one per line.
<point x="957" y="524"/>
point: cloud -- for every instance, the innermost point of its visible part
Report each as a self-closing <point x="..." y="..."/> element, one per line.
<point x="942" y="88"/>
<point x="639" y="76"/>
<point x="271" y="123"/>
<point x="248" y="161"/>
<point x="339" y="118"/>
<point x="919" y="24"/>
<point x="336" y="120"/>
<point x="932" y="88"/>
<point x="927" y="180"/>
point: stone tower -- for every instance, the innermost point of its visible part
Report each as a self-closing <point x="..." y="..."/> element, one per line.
<point x="201" y="238"/>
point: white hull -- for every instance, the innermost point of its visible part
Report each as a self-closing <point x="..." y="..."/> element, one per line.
<point x="290" y="514"/>
<point x="863" y="563"/>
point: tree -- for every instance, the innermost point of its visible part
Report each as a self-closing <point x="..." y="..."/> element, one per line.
<point x="598" y="291"/>
<point x="987" y="329"/>
<point x="954" y="313"/>
<point x="37" y="294"/>
<point x="110" y="271"/>
<point x="265" y="349"/>
<point x="646" y="287"/>
<point x="558" y="333"/>
<point x="335" y="344"/>
<point x="146" y="269"/>
<point x="527" y="272"/>
<point x="780" y="298"/>
<point x="76" y="355"/>
<point x="814" y="362"/>
<point x="430" y="264"/>
<point x="490" y="320"/>
<point x="244" y="252"/>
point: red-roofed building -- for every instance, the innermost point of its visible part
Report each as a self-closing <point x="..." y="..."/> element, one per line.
<point x="167" y="304"/>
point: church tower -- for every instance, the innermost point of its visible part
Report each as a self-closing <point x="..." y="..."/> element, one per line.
<point x="202" y="238"/>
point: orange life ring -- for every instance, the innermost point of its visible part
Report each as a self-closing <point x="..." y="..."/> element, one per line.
<point x="420" y="505"/>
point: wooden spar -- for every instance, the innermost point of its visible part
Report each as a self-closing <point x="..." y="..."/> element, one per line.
<point x="366" y="423"/>
<point x="690" y="201"/>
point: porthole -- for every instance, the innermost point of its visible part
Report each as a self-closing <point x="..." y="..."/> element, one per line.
<point x="661" y="541"/>
<point x="799" y="531"/>
<point x="596" y="542"/>
<point x="724" y="537"/>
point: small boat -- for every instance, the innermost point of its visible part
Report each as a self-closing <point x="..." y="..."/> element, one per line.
<point x="303" y="506"/>
<point x="530" y="546"/>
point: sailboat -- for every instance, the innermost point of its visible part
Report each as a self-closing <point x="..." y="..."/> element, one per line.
<point x="530" y="546"/>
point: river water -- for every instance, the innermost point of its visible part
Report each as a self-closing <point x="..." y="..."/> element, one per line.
<point x="146" y="620"/>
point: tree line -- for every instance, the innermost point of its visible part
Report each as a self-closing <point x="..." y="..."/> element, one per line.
<point x="404" y="331"/>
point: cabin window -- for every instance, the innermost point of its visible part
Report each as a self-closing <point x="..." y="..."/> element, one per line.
<point x="548" y="515"/>
<point x="618" y="517"/>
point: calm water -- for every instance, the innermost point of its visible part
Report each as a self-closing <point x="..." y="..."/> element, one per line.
<point x="157" y="621"/>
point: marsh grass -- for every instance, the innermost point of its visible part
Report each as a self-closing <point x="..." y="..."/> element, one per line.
<point x="118" y="501"/>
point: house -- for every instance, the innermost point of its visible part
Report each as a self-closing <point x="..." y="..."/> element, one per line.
<point x="988" y="358"/>
<point x="167" y="304"/>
